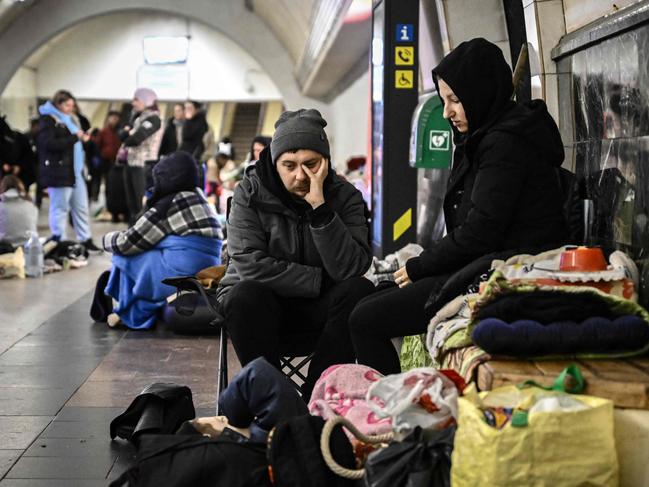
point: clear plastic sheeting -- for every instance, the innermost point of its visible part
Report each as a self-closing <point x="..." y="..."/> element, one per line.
<point x="604" y="104"/>
<point x="615" y="176"/>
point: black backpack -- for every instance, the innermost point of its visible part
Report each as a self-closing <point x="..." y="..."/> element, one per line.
<point x="159" y="409"/>
<point x="295" y="458"/>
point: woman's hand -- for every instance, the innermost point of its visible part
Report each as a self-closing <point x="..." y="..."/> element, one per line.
<point x="401" y="277"/>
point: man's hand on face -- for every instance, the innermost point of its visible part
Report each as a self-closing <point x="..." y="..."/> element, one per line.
<point x="315" y="196"/>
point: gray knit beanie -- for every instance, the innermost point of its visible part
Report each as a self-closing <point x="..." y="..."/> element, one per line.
<point x="301" y="129"/>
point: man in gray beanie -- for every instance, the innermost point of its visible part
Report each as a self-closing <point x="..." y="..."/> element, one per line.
<point x="298" y="242"/>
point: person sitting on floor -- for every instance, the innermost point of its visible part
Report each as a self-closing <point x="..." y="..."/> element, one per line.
<point x="298" y="246"/>
<point x="178" y="235"/>
<point x="18" y="215"/>
<point x="503" y="198"/>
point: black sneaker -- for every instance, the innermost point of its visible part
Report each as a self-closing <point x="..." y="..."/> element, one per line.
<point x="91" y="247"/>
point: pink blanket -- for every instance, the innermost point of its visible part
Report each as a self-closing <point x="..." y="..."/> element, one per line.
<point x="341" y="391"/>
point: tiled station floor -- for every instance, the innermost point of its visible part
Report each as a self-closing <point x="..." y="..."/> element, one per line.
<point x="63" y="378"/>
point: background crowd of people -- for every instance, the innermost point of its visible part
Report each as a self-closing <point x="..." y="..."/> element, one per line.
<point x="105" y="172"/>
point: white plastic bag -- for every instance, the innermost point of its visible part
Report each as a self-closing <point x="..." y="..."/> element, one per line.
<point x="422" y="397"/>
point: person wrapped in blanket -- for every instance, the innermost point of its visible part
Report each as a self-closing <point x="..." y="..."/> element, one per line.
<point x="503" y="198"/>
<point x="177" y="235"/>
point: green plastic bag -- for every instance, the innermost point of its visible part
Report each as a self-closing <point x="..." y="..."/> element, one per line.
<point x="414" y="353"/>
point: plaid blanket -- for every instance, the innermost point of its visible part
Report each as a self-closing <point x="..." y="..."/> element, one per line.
<point x="189" y="214"/>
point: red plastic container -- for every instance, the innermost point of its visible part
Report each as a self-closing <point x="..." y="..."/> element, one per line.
<point x="583" y="259"/>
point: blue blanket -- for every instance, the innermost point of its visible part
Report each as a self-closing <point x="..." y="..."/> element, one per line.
<point x="135" y="280"/>
<point x="529" y="338"/>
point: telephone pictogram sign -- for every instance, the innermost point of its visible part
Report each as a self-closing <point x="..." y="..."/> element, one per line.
<point x="404" y="55"/>
<point x="403" y="78"/>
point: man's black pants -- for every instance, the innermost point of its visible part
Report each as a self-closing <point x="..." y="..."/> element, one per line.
<point x="257" y="319"/>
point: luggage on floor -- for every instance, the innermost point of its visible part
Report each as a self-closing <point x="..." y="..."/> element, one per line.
<point x="159" y="409"/>
<point x="532" y="436"/>
<point x="194" y="311"/>
<point x="102" y="303"/>
<point x="422" y="459"/>
<point x="189" y="314"/>
<point x="65" y="249"/>
<point x="296" y="460"/>
<point x="196" y="461"/>
<point x="422" y="397"/>
<point x="12" y="264"/>
<point x="341" y="390"/>
<point x="6" y="248"/>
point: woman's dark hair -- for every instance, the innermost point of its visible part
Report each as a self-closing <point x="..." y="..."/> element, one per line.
<point x="62" y="96"/>
<point x="197" y="104"/>
<point x="13" y="182"/>
<point x="265" y="141"/>
<point x="113" y="113"/>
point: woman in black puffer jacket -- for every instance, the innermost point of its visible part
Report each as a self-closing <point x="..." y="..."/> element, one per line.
<point x="62" y="161"/>
<point x="503" y="198"/>
<point x="194" y="130"/>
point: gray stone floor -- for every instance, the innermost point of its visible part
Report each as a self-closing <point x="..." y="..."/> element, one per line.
<point x="63" y="378"/>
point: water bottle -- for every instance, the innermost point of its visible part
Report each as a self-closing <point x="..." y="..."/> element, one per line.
<point x="34" y="256"/>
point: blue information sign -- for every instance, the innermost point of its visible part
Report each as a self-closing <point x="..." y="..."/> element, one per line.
<point x="405" y="33"/>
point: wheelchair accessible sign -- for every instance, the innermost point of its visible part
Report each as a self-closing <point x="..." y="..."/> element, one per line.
<point x="404" y="57"/>
<point x="431" y="138"/>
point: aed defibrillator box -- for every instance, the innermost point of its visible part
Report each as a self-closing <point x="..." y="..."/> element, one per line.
<point x="431" y="141"/>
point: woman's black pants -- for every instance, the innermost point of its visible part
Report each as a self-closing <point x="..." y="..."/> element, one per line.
<point x="134" y="183"/>
<point x="390" y="313"/>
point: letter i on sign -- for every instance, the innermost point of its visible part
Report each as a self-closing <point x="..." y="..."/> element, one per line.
<point x="405" y="33"/>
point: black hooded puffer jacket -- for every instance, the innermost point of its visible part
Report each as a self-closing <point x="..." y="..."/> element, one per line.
<point x="275" y="239"/>
<point x="504" y="191"/>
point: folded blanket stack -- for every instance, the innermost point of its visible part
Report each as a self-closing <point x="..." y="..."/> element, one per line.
<point x="524" y="319"/>
<point x="530" y="309"/>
